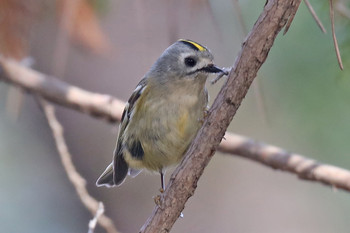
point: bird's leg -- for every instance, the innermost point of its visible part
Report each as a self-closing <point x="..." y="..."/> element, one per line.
<point x="157" y="199"/>
<point x="162" y="183"/>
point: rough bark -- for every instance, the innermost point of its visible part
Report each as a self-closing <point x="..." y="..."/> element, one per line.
<point x="254" y="52"/>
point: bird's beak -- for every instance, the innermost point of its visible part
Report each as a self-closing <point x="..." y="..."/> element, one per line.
<point x="211" y="68"/>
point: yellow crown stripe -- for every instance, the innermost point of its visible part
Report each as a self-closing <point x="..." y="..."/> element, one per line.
<point x="198" y="46"/>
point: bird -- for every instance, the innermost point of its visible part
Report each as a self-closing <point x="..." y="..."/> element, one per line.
<point x="163" y="114"/>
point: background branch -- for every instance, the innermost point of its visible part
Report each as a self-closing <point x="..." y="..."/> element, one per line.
<point x="59" y="92"/>
<point x="75" y="178"/>
<point x="335" y="41"/>
<point x="110" y="108"/>
<point x="281" y="159"/>
<point x="314" y="15"/>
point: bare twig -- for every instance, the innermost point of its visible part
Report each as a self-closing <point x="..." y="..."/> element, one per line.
<point x="255" y="49"/>
<point x="52" y="90"/>
<point x="217" y="78"/>
<point x="75" y="178"/>
<point x="280" y="159"/>
<point x="314" y="15"/>
<point x="93" y="222"/>
<point x="336" y="47"/>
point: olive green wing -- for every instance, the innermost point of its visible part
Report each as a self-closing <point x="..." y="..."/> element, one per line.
<point x="116" y="172"/>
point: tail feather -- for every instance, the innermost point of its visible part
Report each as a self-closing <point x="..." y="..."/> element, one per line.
<point x="106" y="179"/>
<point x="114" y="177"/>
<point x="120" y="169"/>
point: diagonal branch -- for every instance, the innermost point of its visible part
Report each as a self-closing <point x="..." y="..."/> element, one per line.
<point x="110" y="108"/>
<point x="76" y="179"/>
<point x="183" y="182"/>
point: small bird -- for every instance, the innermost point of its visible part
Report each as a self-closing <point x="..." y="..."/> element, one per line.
<point x="163" y="114"/>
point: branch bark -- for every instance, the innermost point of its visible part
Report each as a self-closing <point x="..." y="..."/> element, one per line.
<point x="278" y="158"/>
<point x="59" y="92"/>
<point x="75" y="178"/>
<point x="256" y="47"/>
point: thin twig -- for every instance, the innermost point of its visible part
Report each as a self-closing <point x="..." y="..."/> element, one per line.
<point x="336" y="47"/>
<point x="75" y="178"/>
<point x="218" y="77"/>
<point x="51" y="89"/>
<point x="99" y="213"/>
<point x="314" y="15"/>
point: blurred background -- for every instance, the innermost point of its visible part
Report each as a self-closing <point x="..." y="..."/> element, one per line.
<point x="301" y="103"/>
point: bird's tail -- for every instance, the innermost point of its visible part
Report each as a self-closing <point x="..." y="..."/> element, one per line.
<point x="106" y="179"/>
<point x="114" y="174"/>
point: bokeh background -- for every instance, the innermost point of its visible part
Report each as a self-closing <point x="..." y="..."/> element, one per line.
<point x="301" y="104"/>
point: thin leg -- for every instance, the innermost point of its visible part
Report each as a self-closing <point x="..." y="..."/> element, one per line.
<point x="162" y="181"/>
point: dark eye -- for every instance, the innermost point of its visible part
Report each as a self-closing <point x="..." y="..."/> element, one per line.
<point x="190" y="62"/>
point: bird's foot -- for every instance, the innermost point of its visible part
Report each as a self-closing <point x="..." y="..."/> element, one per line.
<point x="157" y="199"/>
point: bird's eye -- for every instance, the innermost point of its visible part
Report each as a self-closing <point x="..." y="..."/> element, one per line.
<point x="190" y="62"/>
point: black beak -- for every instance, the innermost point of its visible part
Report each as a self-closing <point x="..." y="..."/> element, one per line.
<point x="213" y="69"/>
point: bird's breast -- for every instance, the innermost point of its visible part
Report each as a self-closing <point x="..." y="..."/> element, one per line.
<point x="166" y="128"/>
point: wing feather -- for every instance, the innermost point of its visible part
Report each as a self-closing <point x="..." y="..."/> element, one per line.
<point x="120" y="167"/>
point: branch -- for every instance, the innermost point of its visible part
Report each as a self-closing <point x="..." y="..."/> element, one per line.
<point x="283" y="160"/>
<point x="75" y="178"/>
<point x="183" y="182"/>
<point x="335" y="41"/>
<point x="314" y="15"/>
<point x="99" y="213"/>
<point x="57" y="91"/>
